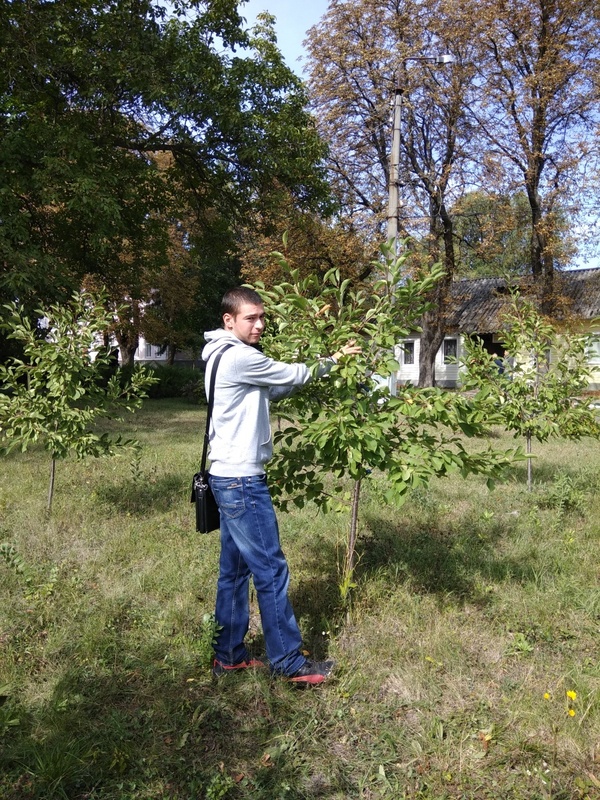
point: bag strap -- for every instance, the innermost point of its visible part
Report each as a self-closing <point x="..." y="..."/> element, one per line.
<point x="211" y="399"/>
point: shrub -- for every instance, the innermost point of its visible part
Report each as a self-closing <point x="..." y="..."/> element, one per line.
<point x="178" y="382"/>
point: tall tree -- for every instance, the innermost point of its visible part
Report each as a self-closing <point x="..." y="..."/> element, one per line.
<point x="91" y="92"/>
<point x="537" y="111"/>
<point x="311" y="244"/>
<point x="518" y="111"/>
<point x="492" y="233"/>
<point x="361" y="53"/>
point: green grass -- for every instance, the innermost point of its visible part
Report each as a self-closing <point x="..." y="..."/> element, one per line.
<point x="474" y="613"/>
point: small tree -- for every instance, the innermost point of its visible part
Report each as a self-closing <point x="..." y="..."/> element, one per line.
<point x="348" y="425"/>
<point x="537" y="386"/>
<point x="57" y="391"/>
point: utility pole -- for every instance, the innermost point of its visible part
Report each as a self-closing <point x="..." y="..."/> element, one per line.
<point x="393" y="198"/>
<point x="394" y="179"/>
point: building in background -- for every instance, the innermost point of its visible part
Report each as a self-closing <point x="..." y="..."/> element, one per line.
<point x="476" y="307"/>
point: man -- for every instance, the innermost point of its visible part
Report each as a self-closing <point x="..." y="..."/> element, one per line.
<point x="240" y="446"/>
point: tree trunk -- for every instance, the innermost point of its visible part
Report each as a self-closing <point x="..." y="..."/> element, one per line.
<point x="529" y="466"/>
<point x="127" y="334"/>
<point x="127" y="351"/>
<point x="542" y="260"/>
<point x="548" y="296"/>
<point x="351" y="551"/>
<point x="51" y="485"/>
<point x="537" y="237"/>
<point x="431" y="339"/>
<point x="433" y="333"/>
<point x="349" y="560"/>
<point x="434" y="326"/>
<point x="171" y="350"/>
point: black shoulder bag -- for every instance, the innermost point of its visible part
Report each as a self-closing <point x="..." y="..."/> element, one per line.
<point x="207" y="510"/>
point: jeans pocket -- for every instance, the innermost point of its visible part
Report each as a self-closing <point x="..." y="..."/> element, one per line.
<point x="230" y="497"/>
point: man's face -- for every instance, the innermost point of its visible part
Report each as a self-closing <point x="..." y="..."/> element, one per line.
<point x="248" y="324"/>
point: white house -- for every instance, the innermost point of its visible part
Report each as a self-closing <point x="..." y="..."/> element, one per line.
<point x="150" y="354"/>
<point x="476" y="306"/>
<point x="446" y="373"/>
<point x="147" y="352"/>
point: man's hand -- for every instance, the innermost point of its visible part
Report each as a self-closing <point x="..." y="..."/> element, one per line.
<point x="350" y="349"/>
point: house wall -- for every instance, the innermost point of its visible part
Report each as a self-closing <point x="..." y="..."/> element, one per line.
<point x="446" y="374"/>
<point x="595" y="365"/>
<point x="147" y="353"/>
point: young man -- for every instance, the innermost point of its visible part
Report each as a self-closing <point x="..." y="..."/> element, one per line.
<point x="240" y="446"/>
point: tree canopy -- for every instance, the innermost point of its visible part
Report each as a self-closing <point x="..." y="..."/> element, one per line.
<point x="517" y="110"/>
<point x="95" y="96"/>
<point x="358" y="52"/>
<point x="536" y="108"/>
<point x="361" y="55"/>
<point x="311" y="244"/>
<point x="515" y="115"/>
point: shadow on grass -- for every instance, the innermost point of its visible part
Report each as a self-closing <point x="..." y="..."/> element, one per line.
<point x="455" y="559"/>
<point x="146" y="497"/>
<point x="164" y="418"/>
<point x="150" y="726"/>
<point x="316" y="599"/>
<point x="543" y="473"/>
<point x="458" y="558"/>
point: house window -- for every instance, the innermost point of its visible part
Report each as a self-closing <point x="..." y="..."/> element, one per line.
<point x="450" y="350"/>
<point x="408" y="352"/>
<point x="148" y="350"/>
<point x="594" y="352"/>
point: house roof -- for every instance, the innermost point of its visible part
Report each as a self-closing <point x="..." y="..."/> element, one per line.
<point x="477" y="306"/>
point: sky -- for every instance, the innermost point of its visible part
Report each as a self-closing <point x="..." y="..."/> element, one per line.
<point x="293" y="19"/>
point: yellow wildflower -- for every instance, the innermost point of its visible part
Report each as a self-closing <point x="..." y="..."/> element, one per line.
<point x="571" y="712"/>
<point x="572" y="695"/>
<point x="546" y="695"/>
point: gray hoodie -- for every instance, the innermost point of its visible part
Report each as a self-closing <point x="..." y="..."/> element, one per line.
<point x="240" y="431"/>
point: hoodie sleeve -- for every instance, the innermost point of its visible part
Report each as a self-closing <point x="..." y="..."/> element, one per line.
<point x="252" y="367"/>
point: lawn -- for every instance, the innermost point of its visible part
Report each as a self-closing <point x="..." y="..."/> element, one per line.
<point x="468" y="663"/>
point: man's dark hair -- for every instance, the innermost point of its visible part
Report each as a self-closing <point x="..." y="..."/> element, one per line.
<point x="234" y="299"/>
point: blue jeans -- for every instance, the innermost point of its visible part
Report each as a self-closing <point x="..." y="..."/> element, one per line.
<point x="250" y="546"/>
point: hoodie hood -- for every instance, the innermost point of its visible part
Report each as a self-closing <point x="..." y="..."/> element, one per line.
<point x="215" y="341"/>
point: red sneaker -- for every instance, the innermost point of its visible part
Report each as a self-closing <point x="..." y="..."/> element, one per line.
<point x="220" y="669"/>
<point x="312" y="673"/>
